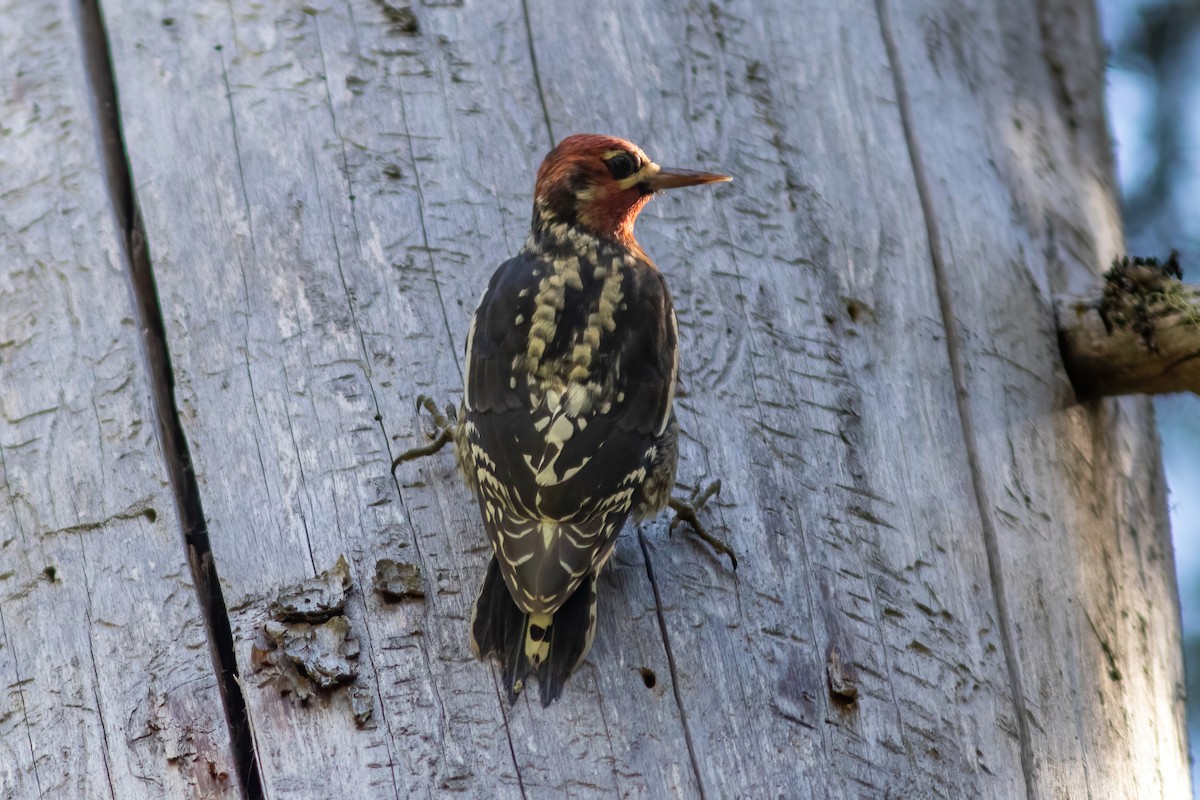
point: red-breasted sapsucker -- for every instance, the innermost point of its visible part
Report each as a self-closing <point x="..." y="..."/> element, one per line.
<point x="566" y="428"/>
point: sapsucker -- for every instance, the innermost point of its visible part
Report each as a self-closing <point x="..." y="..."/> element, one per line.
<point x="566" y="427"/>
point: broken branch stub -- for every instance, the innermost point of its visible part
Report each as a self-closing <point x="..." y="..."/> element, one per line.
<point x="1141" y="335"/>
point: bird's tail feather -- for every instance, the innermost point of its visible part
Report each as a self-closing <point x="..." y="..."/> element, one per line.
<point x="550" y="645"/>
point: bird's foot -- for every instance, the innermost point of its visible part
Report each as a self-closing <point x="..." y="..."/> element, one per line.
<point x="441" y="435"/>
<point x="688" y="511"/>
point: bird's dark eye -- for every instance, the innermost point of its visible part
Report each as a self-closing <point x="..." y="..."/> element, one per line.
<point x="622" y="165"/>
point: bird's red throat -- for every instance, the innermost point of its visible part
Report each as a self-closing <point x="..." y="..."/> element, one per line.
<point x="614" y="214"/>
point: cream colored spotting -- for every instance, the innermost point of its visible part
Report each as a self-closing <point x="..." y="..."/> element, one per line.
<point x="604" y="318"/>
<point x="561" y="393"/>
<point x="537" y="650"/>
<point x="547" y="305"/>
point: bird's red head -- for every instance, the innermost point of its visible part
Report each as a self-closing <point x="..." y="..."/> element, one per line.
<point x="601" y="183"/>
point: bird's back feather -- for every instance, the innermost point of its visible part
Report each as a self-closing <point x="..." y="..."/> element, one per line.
<point x="571" y="367"/>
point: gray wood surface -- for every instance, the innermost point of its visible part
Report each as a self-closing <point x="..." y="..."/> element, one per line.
<point x="955" y="579"/>
<point x="1072" y="499"/>
<point x="107" y="687"/>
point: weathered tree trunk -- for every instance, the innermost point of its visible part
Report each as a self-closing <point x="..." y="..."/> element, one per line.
<point x="956" y="578"/>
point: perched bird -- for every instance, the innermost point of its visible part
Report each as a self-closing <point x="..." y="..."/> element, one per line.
<point x="566" y="427"/>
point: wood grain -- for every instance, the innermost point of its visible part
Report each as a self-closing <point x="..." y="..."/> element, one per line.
<point x="1074" y="498"/>
<point x="927" y="521"/>
<point x="300" y="339"/>
<point x="108" y="682"/>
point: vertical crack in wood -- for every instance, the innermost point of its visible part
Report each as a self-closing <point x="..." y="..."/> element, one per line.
<point x="146" y="306"/>
<point x="512" y="750"/>
<point x="537" y="75"/>
<point x="962" y="399"/>
<point x="662" y="627"/>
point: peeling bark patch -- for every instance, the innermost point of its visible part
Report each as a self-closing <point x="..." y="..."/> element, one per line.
<point x="362" y="703"/>
<point x="315" y="599"/>
<point x="308" y="645"/>
<point x="302" y="657"/>
<point x="841" y="675"/>
<point x="396" y="581"/>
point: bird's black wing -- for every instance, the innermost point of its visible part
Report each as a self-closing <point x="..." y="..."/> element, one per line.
<point x="571" y="368"/>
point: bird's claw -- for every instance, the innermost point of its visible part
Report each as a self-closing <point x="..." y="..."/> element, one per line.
<point x="688" y="511"/>
<point x="441" y="435"/>
<point x="441" y="419"/>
